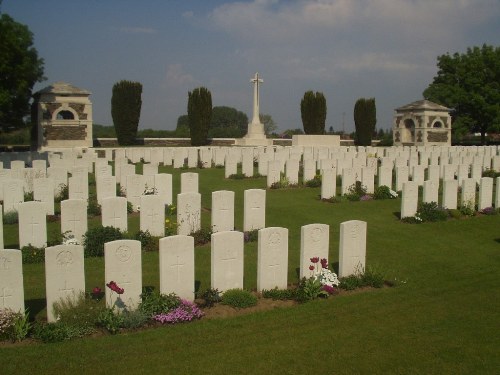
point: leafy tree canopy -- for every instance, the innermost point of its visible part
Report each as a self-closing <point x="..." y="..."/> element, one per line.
<point x="270" y="126"/>
<point x="20" y="69"/>
<point x="228" y="122"/>
<point x="469" y="83"/>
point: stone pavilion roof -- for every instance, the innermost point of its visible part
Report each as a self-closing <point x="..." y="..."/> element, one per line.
<point x="63" y="88"/>
<point x="420" y="105"/>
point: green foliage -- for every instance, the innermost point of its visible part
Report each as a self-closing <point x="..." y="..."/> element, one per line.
<point x="95" y="238"/>
<point x="148" y="242"/>
<point x="356" y="191"/>
<point x="211" y="296"/>
<point x="11" y="217"/>
<point x="81" y="311"/>
<point x="365" y="119"/>
<point x="133" y="319"/>
<point x="283" y="183"/>
<point x="126" y="105"/>
<point x="269" y="125"/>
<point x="251" y="236"/>
<point x="280" y="294"/>
<point x="227" y="122"/>
<point x="239" y="298"/>
<point x="20" y="69"/>
<point x="110" y="320"/>
<point x="153" y="302"/>
<point x="490" y="173"/>
<point x="350" y="282"/>
<point x="431" y="212"/>
<point x="237" y="176"/>
<point x="313" y="112"/>
<point x="102" y="131"/>
<point x="202" y="236"/>
<point x="182" y="129"/>
<point x="309" y="289"/>
<point x="199" y="115"/>
<point x="469" y="83"/>
<point x="28" y="196"/>
<point x="57" y="332"/>
<point x="32" y="254"/>
<point x="315" y="182"/>
<point x="14" y="326"/>
<point x="62" y="194"/>
<point x="382" y="192"/>
<point x="16" y="137"/>
<point x="467" y="209"/>
<point x="93" y="208"/>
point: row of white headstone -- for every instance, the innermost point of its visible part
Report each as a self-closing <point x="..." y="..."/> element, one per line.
<point x="32" y="217"/>
<point x="449" y="200"/>
<point x="65" y="275"/>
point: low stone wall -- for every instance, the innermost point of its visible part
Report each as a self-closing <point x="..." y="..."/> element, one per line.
<point x="178" y="142"/>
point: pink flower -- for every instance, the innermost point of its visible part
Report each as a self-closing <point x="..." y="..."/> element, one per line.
<point x="96" y="290"/>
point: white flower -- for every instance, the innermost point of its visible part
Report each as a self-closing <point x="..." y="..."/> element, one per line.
<point x="393" y="193"/>
<point x="327" y="277"/>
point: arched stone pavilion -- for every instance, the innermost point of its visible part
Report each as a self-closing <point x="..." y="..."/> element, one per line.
<point x="422" y="123"/>
<point x="63" y="114"/>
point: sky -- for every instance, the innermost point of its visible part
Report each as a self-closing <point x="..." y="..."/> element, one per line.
<point x="346" y="49"/>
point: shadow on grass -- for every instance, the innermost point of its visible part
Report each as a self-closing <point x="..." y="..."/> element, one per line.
<point x="397" y="215"/>
<point x="34" y="306"/>
<point x="497" y="240"/>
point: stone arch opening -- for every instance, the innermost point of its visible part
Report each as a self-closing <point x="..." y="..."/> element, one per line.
<point x="65" y="115"/>
<point x="437" y="124"/>
<point x="408" y="131"/>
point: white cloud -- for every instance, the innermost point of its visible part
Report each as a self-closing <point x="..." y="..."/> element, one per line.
<point x="177" y="77"/>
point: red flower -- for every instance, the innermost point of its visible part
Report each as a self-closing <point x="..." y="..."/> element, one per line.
<point x="311" y="267"/>
<point x="315" y="259"/>
<point x="115" y="288"/>
<point x="96" y="290"/>
<point x="324" y="263"/>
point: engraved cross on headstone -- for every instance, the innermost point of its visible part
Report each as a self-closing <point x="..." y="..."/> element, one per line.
<point x="177" y="266"/>
<point x="5" y="294"/>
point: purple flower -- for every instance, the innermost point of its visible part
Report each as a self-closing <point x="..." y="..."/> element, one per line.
<point x="185" y="312"/>
<point x="329" y="289"/>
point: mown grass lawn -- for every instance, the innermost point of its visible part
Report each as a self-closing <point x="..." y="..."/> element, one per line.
<point x="443" y="319"/>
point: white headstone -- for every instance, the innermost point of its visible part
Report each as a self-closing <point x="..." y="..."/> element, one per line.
<point x="188" y="213"/>
<point x="468" y="196"/>
<point x="189" y="182"/>
<point x="13" y="194"/>
<point x="114" y="213"/>
<point x="135" y="188"/>
<point x="227" y="260"/>
<point x="11" y="280"/>
<point x="163" y="187"/>
<point x="64" y="275"/>
<point x="314" y="242"/>
<point x="152" y="217"/>
<point x="78" y="188"/>
<point x="272" y="258"/>
<point x="348" y="179"/>
<point x="254" y="216"/>
<point x="352" y="247"/>
<point x="328" y="183"/>
<point x="450" y="189"/>
<point x="431" y="191"/>
<point x="32" y="224"/>
<point x="385" y="176"/>
<point x="74" y="218"/>
<point x="222" y="211"/>
<point x="485" y="193"/>
<point x="105" y="187"/>
<point x="122" y="264"/>
<point x="409" y="199"/>
<point x="43" y="191"/>
<point x="273" y="172"/>
<point x="177" y="266"/>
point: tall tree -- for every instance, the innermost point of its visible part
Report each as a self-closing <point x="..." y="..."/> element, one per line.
<point x="365" y="119"/>
<point x="126" y="105"/>
<point x="269" y="125"/>
<point x="469" y="83"/>
<point x="199" y="115"/>
<point x="313" y="112"/>
<point x="227" y="122"/>
<point x="20" y="69"/>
